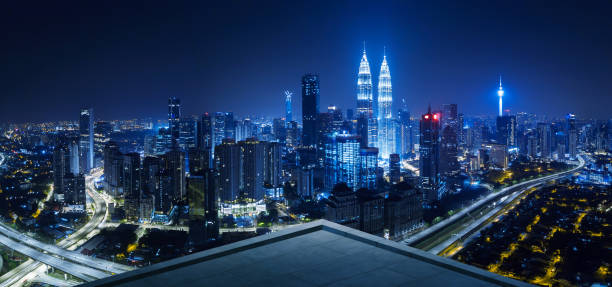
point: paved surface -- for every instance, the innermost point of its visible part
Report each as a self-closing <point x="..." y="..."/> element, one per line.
<point x="505" y="201"/>
<point x="29" y="269"/>
<point x="319" y="253"/>
<point x="80" y="271"/>
<point x="44" y="278"/>
<point x="520" y="187"/>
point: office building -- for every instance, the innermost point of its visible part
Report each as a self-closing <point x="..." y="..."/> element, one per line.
<point x="429" y="153"/>
<point x="86" y="140"/>
<point x="310" y="109"/>
<point x="368" y="168"/>
<point x="506" y="130"/>
<point x="224" y="127"/>
<point x="572" y="135"/>
<point x="305" y="182"/>
<point x="113" y="169"/>
<point x="544" y="140"/>
<point x="342" y="161"/>
<point x="252" y="155"/>
<point x="288" y="108"/>
<point x="272" y="164"/>
<point x="174" y="115"/>
<point x="403" y="212"/>
<point x="174" y="163"/>
<point x="203" y="207"/>
<point x="188" y="134"/>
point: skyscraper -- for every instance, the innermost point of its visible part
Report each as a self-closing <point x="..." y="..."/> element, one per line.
<point x="310" y="109"/>
<point x="187" y="133"/>
<point x="429" y="152"/>
<point x="86" y="140"/>
<point x="288" y="109"/>
<point x="506" y="130"/>
<point x="224" y="127"/>
<point x="205" y="132"/>
<point x="365" y="99"/>
<point x="205" y="136"/>
<point x="342" y="160"/>
<point x="272" y="164"/>
<point x="368" y="165"/>
<point x="60" y="168"/>
<point x="572" y="135"/>
<point x="113" y="168"/>
<point x="252" y="154"/>
<point x="174" y="163"/>
<point x="404" y="139"/>
<point x="544" y="139"/>
<point x="500" y="94"/>
<point x="203" y="207"/>
<point x="131" y="175"/>
<point x="386" y="127"/>
<point x="227" y="163"/>
<point x="174" y="115"/>
<point x="449" y="139"/>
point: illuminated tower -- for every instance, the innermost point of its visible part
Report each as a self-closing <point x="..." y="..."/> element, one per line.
<point x="386" y="134"/>
<point x="365" y="99"/>
<point x="288" y="110"/>
<point x="500" y="93"/>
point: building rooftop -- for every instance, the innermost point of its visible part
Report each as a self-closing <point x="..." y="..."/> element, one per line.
<point x="319" y="253"/>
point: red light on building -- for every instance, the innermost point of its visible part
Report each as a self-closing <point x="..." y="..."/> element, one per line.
<point x="435" y="116"/>
<point x="426" y="117"/>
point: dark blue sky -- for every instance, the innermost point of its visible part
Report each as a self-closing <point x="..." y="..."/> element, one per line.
<point x="124" y="58"/>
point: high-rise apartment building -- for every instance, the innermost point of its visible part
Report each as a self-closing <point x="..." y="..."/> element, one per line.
<point x="227" y="164"/>
<point x="252" y="157"/>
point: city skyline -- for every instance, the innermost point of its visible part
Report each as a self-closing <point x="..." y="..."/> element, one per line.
<point x="436" y="57"/>
<point x="306" y="143"/>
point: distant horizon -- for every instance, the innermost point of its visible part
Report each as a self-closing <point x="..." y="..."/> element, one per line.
<point x="124" y="59"/>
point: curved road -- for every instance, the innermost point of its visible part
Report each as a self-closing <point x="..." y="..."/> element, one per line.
<point x="30" y="268"/>
<point x="510" y="190"/>
<point x="80" y="271"/>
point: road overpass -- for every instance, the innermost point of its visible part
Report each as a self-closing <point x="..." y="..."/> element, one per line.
<point x="31" y="268"/>
<point x="80" y="271"/>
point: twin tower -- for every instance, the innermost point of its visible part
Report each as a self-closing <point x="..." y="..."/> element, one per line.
<point x="378" y="115"/>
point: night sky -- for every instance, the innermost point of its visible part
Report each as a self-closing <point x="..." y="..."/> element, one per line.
<point x="124" y="58"/>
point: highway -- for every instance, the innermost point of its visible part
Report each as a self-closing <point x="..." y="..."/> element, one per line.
<point x="31" y="268"/>
<point x="80" y="271"/>
<point x="457" y="226"/>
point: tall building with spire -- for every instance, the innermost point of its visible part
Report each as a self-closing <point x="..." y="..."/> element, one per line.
<point x="365" y="99"/>
<point x="386" y="131"/>
<point x="500" y="94"/>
